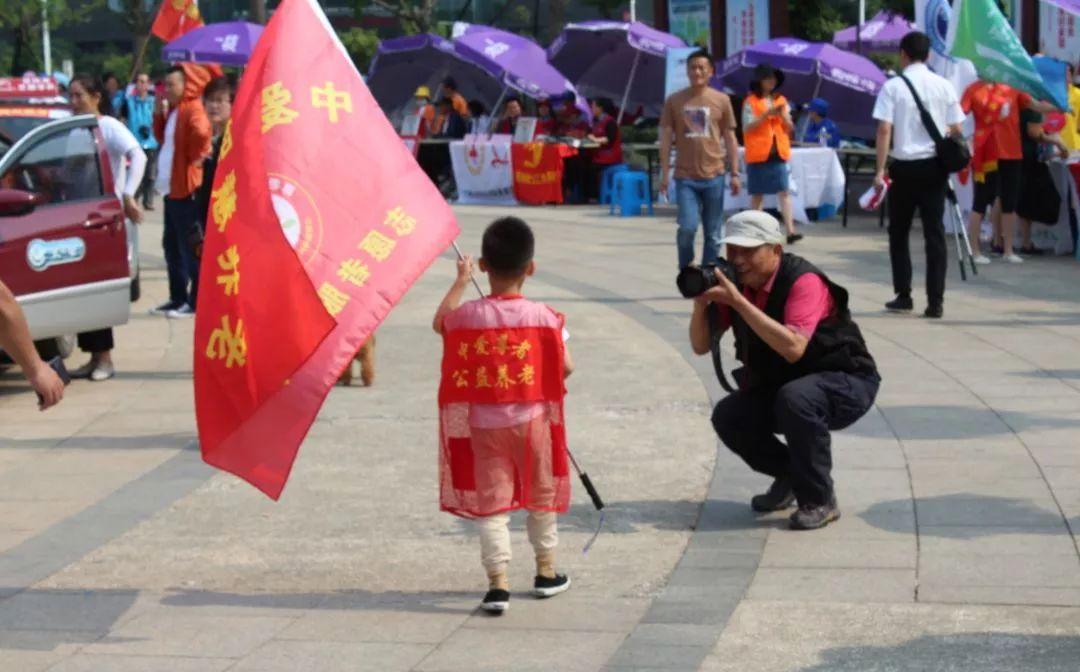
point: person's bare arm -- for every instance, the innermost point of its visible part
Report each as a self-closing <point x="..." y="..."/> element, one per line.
<point x="568" y="362"/>
<point x="665" y="157"/>
<point x="16" y="342"/>
<point x="732" y="145"/>
<point x="1042" y="107"/>
<point x="785" y="116"/>
<point x="784" y="341"/>
<point x="884" y="139"/>
<point x="453" y="296"/>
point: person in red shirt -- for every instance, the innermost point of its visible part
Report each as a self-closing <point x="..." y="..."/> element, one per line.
<point x="807" y="370"/>
<point x="546" y="123"/>
<point x="996" y="158"/>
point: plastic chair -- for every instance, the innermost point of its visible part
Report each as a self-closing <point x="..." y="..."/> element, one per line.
<point x="607" y="181"/>
<point x="631" y="191"/>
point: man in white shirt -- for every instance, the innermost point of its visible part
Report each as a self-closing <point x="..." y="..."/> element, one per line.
<point x="918" y="180"/>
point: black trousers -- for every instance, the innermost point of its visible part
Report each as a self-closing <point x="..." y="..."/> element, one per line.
<point x="918" y="184"/>
<point x="804" y="411"/>
<point x="146" y="187"/>
<point x="181" y="229"/>
<point x="100" y="340"/>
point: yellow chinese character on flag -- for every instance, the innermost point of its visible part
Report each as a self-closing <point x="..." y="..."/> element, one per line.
<point x="226" y="141"/>
<point x="400" y="221"/>
<point x="521" y="350"/>
<point x="227" y="344"/>
<point x="461" y="378"/>
<point x="463" y="350"/>
<point x="224" y="202"/>
<point x="527" y="375"/>
<point x="481" y="346"/>
<point x="332" y="100"/>
<point x="333" y="299"/>
<point x="354" y="271"/>
<point x="275" y="110"/>
<point x="502" y="378"/>
<point x="502" y="344"/>
<point x="378" y="245"/>
<point x="482" y="377"/>
<point x="229" y="261"/>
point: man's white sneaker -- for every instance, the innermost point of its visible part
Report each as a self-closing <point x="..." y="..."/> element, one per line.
<point x="982" y="259"/>
<point x="1013" y="259"/>
<point x="183" y="312"/>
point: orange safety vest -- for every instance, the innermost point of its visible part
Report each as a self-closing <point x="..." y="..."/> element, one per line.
<point x="759" y="141"/>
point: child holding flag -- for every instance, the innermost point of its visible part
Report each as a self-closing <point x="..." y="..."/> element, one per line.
<point x="502" y="437"/>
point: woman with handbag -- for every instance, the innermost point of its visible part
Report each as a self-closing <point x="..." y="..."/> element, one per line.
<point x="1039" y="198"/>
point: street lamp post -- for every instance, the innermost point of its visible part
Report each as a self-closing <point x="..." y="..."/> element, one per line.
<point x="46" y="43"/>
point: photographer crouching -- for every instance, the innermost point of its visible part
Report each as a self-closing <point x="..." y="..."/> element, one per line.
<point x="806" y="369"/>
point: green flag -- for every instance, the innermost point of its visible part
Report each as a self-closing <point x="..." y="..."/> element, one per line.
<point x="980" y="33"/>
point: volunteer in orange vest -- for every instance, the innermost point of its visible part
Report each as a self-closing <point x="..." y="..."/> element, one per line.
<point x="604" y="132"/>
<point x="767" y="129"/>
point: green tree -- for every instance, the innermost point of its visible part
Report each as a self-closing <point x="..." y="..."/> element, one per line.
<point x="817" y="20"/>
<point x="607" y="8"/>
<point x="415" y="16"/>
<point x="361" y="45"/>
<point x="138" y="16"/>
<point x="21" y="20"/>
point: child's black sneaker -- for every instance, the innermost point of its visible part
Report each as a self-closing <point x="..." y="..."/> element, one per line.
<point x="545" y="587"/>
<point x="496" y="601"/>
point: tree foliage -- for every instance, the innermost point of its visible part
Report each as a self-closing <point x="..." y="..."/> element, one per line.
<point x="608" y="9"/>
<point x="415" y="16"/>
<point x="361" y="45"/>
<point x="817" y="20"/>
<point x="20" y="21"/>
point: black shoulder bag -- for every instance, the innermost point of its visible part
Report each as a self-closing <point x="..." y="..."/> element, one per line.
<point x="952" y="152"/>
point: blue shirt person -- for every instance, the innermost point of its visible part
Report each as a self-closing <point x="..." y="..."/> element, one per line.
<point x="821" y="130"/>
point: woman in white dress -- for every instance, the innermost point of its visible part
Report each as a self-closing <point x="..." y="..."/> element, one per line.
<point x="127" y="161"/>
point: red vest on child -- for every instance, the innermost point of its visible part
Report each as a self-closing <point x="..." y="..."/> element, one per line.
<point x="501" y="431"/>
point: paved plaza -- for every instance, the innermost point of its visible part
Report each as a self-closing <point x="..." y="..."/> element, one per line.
<point x="960" y="492"/>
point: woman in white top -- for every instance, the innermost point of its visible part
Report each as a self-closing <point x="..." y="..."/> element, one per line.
<point x="127" y="161"/>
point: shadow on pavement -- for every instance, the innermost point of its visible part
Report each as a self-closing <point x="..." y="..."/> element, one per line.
<point x="42" y="620"/>
<point x="965" y="516"/>
<point x="983" y="651"/>
<point x="1065" y="374"/>
<point x="961" y="422"/>
<point x="181" y="440"/>
<point x="431" y="602"/>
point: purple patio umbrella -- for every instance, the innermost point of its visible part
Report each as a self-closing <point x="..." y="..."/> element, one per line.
<point x="849" y="82"/>
<point x="225" y="43"/>
<point x="402" y="64"/>
<point x="881" y="33"/>
<point x="623" y="61"/>
<point x="516" y="62"/>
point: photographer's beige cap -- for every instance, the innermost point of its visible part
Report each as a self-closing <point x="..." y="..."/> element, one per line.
<point x="753" y="228"/>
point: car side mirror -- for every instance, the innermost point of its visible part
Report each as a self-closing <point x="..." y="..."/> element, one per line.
<point x="16" y="202"/>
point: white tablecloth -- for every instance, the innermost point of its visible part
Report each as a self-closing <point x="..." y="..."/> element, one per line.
<point x="817" y="180"/>
<point x="482" y="170"/>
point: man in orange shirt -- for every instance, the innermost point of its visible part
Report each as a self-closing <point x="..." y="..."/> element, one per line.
<point x="450" y="90"/>
<point x="996" y="158"/>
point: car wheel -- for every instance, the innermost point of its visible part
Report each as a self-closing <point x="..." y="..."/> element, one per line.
<point x="61" y="346"/>
<point x="136" y="287"/>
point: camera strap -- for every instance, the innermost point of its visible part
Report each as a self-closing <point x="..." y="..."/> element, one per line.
<point x="714" y="347"/>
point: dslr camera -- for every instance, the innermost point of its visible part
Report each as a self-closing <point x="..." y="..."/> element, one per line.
<point x="693" y="281"/>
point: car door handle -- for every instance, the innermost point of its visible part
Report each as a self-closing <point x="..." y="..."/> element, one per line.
<point x="97" y="221"/>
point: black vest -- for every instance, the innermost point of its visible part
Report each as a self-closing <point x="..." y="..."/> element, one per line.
<point x="837" y="344"/>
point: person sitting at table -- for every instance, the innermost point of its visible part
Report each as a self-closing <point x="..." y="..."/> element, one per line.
<point x="821" y="130"/>
<point x="767" y="128"/>
<point x="478" y="118"/>
<point x="511" y="114"/>
<point x="449" y="124"/>
<point x="546" y="123"/>
<point x="605" y="132"/>
<point x="571" y="123"/>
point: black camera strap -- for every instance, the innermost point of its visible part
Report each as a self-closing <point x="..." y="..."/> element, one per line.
<point x="714" y="347"/>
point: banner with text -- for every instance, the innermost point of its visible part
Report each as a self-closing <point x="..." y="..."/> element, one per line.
<point x="483" y="171"/>
<point x="747" y="24"/>
<point x="691" y="20"/>
<point x="1058" y="34"/>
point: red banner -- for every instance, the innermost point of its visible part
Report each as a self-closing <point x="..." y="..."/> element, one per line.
<point x="175" y="18"/>
<point x="320" y="221"/>
<point x="538" y="171"/>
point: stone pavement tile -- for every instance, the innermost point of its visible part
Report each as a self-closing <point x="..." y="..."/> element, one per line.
<point x="566" y="612"/>
<point x="975" y="510"/>
<point x="950" y="422"/>
<point x="720" y="558"/>
<point x="165" y="632"/>
<point x="90" y="662"/>
<point x="286" y="656"/>
<point x="995" y="541"/>
<point x="11" y="538"/>
<point x="693" y="612"/>
<point x="1062" y="478"/>
<point x="477" y="650"/>
<point x="833" y="585"/>
<point x="33" y="650"/>
<point x="1034" y="489"/>
<point x="674" y="633"/>
<point x="374" y="625"/>
<point x="1049" y="457"/>
<point x="65" y="610"/>
<point x="1020" y="466"/>
<point x="1006" y="595"/>
<point x="1038" y="571"/>
<point x="883" y="457"/>
<point x="29" y="661"/>
<point x="660" y="656"/>
<point x="771" y="637"/>
<point x="805" y="551"/>
<point x="973" y="450"/>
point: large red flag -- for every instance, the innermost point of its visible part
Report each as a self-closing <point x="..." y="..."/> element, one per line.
<point x="320" y="221"/>
<point x="176" y="17"/>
